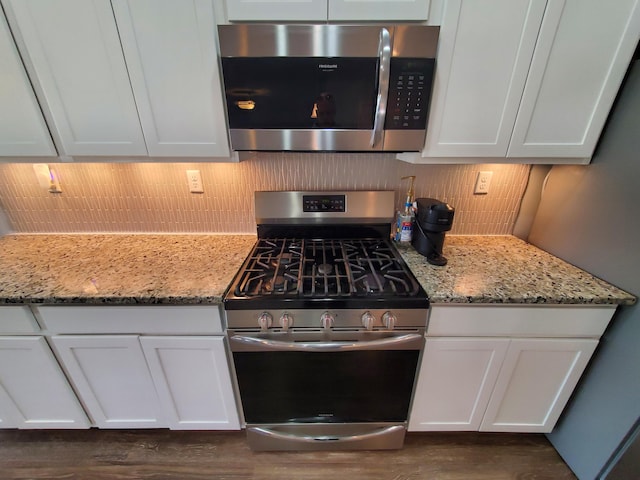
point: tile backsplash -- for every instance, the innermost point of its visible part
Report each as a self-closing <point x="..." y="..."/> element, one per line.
<point x="154" y="197"/>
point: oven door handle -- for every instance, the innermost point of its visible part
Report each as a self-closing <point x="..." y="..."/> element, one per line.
<point x="408" y="341"/>
<point x="291" y="437"/>
<point x="384" y="53"/>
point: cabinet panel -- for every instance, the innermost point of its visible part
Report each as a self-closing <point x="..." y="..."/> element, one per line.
<point x="170" y="50"/>
<point x="192" y="378"/>
<point x="75" y="53"/>
<point x="33" y="390"/>
<point x="17" y="319"/>
<point x="387" y="10"/>
<point x="239" y="10"/>
<point x="535" y="383"/>
<point x="455" y="381"/>
<point x="23" y="131"/>
<point x="161" y="319"/>
<point x="580" y="60"/>
<point x="111" y="377"/>
<point x="519" y="321"/>
<point x="484" y="53"/>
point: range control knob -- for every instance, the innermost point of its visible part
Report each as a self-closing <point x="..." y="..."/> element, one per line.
<point x="389" y="320"/>
<point x="327" y="320"/>
<point x="265" y="320"/>
<point x="286" y="321"/>
<point x="368" y="320"/>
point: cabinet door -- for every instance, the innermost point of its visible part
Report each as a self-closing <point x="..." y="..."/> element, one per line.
<point x="170" y="50"/>
<point x="581" y="58"/>
<point x="484" y="53"/>
<point x="455" y="381"/>
<point x="76" y="57"/>
<point x="535" y="382"/>
<point x="23" y="131"/>
<point x="386" y="10"/>
<point x="312" y="10"/>
<point x="111" y="377"/>
<point x="192" y="378"/>
<point x="34" y="392"/>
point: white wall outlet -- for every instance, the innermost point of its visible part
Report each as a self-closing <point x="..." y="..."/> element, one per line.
<point x="195" y="181"/>
<point x="482" y="182"/>
<point x="47" y="178"/>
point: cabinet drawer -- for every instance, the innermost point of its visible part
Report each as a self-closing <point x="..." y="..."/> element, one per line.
<point x="201" y="319"/>
<point x="522" y="321"/>
<point x="17" y="319"/>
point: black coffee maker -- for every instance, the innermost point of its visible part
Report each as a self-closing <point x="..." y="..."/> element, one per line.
<point x="433" y="219"/>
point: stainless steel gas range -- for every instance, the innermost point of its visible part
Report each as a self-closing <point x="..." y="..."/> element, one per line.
<point x="326" y="324"/>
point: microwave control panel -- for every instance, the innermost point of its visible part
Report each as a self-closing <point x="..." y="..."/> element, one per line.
<point x="409" y="88"/>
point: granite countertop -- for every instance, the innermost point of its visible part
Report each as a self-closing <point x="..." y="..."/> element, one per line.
<point x="196" y="269"/>
<point x="505" y="269"/>
<point x="119" y="269"/>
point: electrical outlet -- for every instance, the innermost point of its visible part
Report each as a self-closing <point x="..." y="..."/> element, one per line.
<point x="47" y="178"/>
<point x="482" y="182"/>
<point x="195" y="181"/>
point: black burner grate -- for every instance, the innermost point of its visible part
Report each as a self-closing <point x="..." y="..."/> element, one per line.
<point x="329" y="268"/>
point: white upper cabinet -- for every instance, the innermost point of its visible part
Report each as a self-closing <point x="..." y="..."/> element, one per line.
<point x="113" y="78"/>
<point x="23" y="131"/>
<point x="170" y="50"/>
<point x="580" y="60"/>
<point x="74" y="49"/>
<point x="276" y="10"/>
<point x="386" y="10"/>
<point x="323" y="10"/>
<point x="484" y="54"/>
<point x="528" y="78"/>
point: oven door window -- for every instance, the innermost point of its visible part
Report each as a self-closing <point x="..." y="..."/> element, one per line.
<point x="300" y="93"/>
<point x="335" y="387"/>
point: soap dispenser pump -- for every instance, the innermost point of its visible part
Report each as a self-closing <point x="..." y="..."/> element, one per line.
<point x="405" y="218"/>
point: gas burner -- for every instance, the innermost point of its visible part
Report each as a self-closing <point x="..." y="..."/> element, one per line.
<point x="325" y="268"/>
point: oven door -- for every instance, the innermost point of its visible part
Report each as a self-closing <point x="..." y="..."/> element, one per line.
<point x="314" y="391"/>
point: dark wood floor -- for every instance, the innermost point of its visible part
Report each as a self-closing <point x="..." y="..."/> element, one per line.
<point x="163" y="454"/>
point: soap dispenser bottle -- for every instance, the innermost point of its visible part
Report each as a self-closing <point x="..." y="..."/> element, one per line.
<point x="406" y="217"/>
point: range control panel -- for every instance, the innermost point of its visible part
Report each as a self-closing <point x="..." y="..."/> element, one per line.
<point x="409" y="86"/>
<point x="323" y="203"/>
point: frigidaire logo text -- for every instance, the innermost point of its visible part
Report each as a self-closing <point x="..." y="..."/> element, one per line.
<point x="328" y="65"/>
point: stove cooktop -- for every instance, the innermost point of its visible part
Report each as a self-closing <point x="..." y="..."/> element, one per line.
<point x="313" y="273"/>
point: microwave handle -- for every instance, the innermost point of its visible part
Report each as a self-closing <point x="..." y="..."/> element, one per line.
<point x="384" y="52"/>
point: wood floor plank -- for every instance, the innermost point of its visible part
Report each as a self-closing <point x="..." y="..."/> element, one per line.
<point x="167" y="455"/>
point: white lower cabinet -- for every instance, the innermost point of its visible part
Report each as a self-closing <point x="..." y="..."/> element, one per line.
<point x="455" y="382"/>
<point x="192" y="379"/>
<point x="34" y="392"/>
<point x="535" y="382"/>
<point x="151" y="379"/>
<point x="502" y="369"/>
<point x="111" y="377"/>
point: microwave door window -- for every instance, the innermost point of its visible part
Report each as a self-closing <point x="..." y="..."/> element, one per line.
<point x="300" y="93"/>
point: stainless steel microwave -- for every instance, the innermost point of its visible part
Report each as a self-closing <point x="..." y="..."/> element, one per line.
<point x="328" y="87"/>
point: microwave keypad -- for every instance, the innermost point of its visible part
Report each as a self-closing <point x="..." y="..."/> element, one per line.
<point x="408" y="96"/>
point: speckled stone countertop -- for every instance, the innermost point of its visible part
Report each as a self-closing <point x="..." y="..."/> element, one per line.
<point x="193" y="269"/>
<point x="119" y="269"/>
<point x="505" y="269"/>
